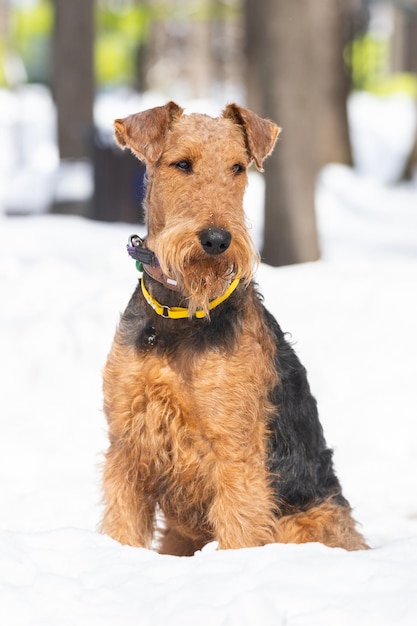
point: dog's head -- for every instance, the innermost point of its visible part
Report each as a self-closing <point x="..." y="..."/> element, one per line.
<point x="197" y="175"/>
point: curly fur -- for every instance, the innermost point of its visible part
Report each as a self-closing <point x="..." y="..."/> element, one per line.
<point x="211" y="421"/>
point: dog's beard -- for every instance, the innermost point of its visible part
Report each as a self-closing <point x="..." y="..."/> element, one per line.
<point x="202" y="277"/>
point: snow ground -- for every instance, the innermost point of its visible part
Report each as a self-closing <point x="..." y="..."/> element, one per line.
<point x="63" y="283"/>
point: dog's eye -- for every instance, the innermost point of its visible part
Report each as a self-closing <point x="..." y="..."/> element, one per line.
<point x="184" y="165"/>
<point x="238" y="168"/>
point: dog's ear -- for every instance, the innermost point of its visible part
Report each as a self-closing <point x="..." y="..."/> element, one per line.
<point x="144" y="132"/>
<point x="260" y="134"/>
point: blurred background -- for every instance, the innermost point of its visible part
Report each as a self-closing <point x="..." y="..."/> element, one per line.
<point x="340" y="77"/>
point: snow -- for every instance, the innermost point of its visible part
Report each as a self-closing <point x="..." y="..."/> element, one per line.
<point x="63" y="284"/>
<point x="72" y="577"/>
<point x="378" y="134"/>
<point x="64" y="281"/>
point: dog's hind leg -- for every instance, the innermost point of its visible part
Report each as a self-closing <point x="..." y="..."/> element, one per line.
<point x="326" y="523"/>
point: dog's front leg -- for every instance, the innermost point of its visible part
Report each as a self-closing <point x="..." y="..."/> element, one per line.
<point x="129" y="515"/>
<point x="242" y="513"/>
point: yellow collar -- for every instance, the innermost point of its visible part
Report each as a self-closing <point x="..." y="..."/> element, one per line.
<point x="178" y="312"/>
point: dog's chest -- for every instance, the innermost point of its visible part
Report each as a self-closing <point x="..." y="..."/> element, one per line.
<point x="204" y="407"/>
<point x="186" y="407"/>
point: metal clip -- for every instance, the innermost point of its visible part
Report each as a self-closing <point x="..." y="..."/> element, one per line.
<point x="135" y="240"/>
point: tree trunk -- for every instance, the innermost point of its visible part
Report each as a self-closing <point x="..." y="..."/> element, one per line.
<point x="328" y="21"/>
<point x="295" y="77"/>
<point x="287" y="88"/>
<point x="255" y="21"/>
<point x="73" y="76"/>
<point x="199" y="62"/>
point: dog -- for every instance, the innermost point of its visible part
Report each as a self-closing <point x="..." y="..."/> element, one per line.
<point x="211" y="420"/>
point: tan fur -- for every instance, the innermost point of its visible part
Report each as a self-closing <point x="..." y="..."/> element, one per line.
<point x="188" y="429"/>
<point x="326" y="523"/>
<point x="204" y="438"/>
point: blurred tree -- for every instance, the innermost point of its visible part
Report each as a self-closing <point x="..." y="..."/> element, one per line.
<point x="121" y="34"/>
<point x="180" y="47"/>
<point x="200" y="60"/>
<point x="296" y="77"/>
<point x="404" y="37"/>
<point x="73" y="75"/>
<point x="27" y="41"/>
<point x="4" y="36"/>
<point x="194" y="47"/>
<point x="404" y="61"/>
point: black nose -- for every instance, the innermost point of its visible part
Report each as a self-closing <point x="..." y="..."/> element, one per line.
<point x="215" y="240"/>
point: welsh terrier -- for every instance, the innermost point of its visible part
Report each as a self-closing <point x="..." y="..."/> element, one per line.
<point x="212" y="424"/>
